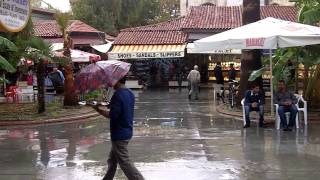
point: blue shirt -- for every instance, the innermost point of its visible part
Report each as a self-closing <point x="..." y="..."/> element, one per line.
<point x="251" y="97"/>
<point x="121" y="114"/>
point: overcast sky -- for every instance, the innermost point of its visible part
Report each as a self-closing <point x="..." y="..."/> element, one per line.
<point x="62" y="5"/>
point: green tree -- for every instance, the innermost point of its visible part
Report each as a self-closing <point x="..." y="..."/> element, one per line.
<point x="6" y="46"/>
<point x="28" y="46"/>
<point x="113" y="15"/>
<point x="70" y="98"/>
<point x="168" y="9"/>
<point x="39" y="51"/>
<point x="309" y="56"/>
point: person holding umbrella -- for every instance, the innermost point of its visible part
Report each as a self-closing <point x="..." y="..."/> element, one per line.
<point x="121" y="127"/>
<point x="113" y="73"/>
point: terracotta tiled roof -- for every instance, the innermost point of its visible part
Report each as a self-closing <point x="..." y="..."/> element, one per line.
<point x="172" y="25"/>
<point x="150" y="37"/>
<point x="288" y="13"/>
<point x="84" y="40"/>
<point x="46" y="29"/>
<point x="50" y="28"/>
<point x="210" y="18"/>
<point x="162" y="33"/>
<point x="79" y="26"/>
<point x="223" y="18"/>
<point x="213" y="17"/>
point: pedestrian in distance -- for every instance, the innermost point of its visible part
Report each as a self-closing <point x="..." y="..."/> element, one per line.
<point x="286" y="101"/>
<point x="194" y="80"/>
<point x="179" y="77"/>
<point x="219" y="80"/>
<point x="232" y="73"/>
<point x="254" y="101"/>
<point x="121" y="129"/>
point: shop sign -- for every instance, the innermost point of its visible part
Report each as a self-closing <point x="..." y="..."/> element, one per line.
<point x="227" y="51"/>
<point x="191" y="50"/>
<point x="14" y="14"/>
<point x="145" y="55"/>
<point x="255" y="42"/>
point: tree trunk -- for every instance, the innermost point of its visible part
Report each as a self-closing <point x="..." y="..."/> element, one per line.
<point x="251" y="59"/>
<point x="40" y="82"/>
<point x="70" y="99"/>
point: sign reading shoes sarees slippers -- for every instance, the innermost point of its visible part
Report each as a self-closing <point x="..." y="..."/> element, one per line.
<point x="146" y="55"/>
<point x="14" y="14"/>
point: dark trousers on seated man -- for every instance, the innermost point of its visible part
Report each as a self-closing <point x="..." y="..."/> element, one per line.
<point x="259" y="109"/>
<point x="293" y="112"/>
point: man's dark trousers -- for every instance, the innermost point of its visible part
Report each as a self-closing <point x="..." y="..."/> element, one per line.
<point x="260" y="109"/>
<point x="293" y="112"/>
<point x="119" y="155"/>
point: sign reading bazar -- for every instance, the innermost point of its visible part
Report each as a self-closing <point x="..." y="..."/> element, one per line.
<point x="146" y="55"/>
<point x="14" y="14"/>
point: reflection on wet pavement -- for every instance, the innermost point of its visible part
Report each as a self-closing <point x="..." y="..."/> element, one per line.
<point x="174" y="139"/>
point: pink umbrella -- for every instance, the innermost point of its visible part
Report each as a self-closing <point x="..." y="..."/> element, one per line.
<point x="100" y="74"/>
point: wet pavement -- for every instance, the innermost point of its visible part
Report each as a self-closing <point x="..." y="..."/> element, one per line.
<point x="175" y="139"/>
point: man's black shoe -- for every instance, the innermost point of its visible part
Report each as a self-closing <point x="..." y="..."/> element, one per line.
<point x="197" y="98"/>
<point x="246" y="126"/>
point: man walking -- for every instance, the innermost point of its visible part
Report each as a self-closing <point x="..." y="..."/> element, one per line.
<point x="286" y="101"/>
<point x="218" y="73"/>
<point x="121" y="130"/>
<point x="219" y="80"/>
<point x="254" y="101"/>
<point x="194" y="80"/>
<point x="232" y="73"/>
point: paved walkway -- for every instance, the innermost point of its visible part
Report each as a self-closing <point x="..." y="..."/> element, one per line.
<point x="174" y="139"/>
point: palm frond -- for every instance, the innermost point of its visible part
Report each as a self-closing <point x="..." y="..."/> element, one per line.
<point x="5" y="65"/>
<point x="7" y="44"/>
<point x="38" y="49"/>
<point x="63" y="21"/>
<point x="257" y="73"/>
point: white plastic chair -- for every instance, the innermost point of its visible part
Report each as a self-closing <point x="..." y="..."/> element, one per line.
<point x="243" y="112"/>
<point x="303" y="109"/>
<point x="217" y="90"/>
<point x="25" y="92"/>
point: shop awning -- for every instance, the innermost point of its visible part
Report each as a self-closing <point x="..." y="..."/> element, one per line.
<point x="146" y="51"/>
<point x="104" y="48"/>
<point x="192" y="50"/>
<point x="80" y="56"/>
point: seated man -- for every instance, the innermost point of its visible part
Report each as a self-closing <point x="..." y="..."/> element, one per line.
<point x="286" y="101"/>
<point x="254" y="101"/>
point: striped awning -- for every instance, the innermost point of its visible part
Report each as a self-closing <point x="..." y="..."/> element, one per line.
<point x="146" y="51"/>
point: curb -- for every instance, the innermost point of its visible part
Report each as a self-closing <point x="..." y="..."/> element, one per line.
<point x="48" y="121"/>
